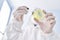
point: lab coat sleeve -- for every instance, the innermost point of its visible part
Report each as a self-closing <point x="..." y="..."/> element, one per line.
<point x="50" y="36"/>
<point x="13" y="32"/>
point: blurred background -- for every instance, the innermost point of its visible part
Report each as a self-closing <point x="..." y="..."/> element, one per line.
<point x="48" y="5"/>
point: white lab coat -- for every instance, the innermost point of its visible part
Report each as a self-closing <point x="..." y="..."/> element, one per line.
<point x="14" y="31"/>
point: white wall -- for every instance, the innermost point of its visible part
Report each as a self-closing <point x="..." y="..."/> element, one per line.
<point x="46" y="4"/>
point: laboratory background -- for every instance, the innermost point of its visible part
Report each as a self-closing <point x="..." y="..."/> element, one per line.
<point x="7" y="6"/>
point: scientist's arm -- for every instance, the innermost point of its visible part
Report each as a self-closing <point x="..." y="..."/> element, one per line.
<point x="14" y="30"/>
<point x="47" y="27"/>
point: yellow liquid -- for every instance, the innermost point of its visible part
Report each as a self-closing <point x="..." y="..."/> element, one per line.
<point x="38" y="14"/>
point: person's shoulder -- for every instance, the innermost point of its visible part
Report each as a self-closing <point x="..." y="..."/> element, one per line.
<point x="55" y="35"/>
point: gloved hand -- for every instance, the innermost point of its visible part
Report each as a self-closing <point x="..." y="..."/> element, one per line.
<point x="19" y="12"/>
<point x="49" y="23"/>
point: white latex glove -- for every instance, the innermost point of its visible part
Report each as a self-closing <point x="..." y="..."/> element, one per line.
<point x="20" y="11"/>
<point x="49" y="23"/>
